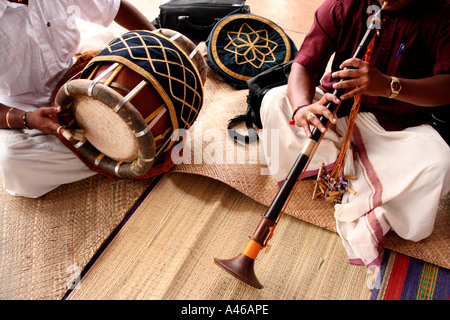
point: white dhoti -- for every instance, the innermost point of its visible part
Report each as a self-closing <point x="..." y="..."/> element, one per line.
<point x="33" y="163"/>
<point x="400" y="175"/>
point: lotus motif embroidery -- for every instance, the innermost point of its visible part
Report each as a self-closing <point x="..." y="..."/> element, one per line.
<point x="251" y="46"/>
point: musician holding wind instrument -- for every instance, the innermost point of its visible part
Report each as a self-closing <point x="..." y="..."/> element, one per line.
<point x="375" y="127"/>
<point x="399" y="163"/>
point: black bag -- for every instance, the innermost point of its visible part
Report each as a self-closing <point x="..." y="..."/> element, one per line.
<point x="195" y="18"/>
<point x="258" y="87"/>
<point x="440" y="121"/>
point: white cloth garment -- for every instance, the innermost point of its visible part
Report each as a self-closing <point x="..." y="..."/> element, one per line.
<point x="33" y="163"/>
<point x="38" y="43"/>
<point x="400" y="175"/>
<point x="37" y="47"/>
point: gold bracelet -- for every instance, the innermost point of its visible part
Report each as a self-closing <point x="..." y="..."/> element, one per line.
<point x="7" y="118"/>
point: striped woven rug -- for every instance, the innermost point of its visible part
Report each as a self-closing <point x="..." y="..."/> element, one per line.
<point x="405" y="278"/>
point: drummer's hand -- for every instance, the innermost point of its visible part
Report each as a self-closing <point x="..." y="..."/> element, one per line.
<point x="363" y="78"/>
<point x="309" y="115"/>
<point x="41" y="119"/>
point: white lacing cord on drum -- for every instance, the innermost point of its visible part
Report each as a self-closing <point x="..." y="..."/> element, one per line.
<point x="175" y="37"/>
<point x="129" y="96"/>
<point x="116" y="169"/>
<point x="78" y="145"/>
<point x="194" y="52"/>
<point x="66" y="88"/>
<point x="100" y="77"/>
<point x="151" y="124"/>
<point x="162" y="148"/>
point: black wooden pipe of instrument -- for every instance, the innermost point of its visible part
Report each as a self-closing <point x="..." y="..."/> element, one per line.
<point x="242" y="266"/>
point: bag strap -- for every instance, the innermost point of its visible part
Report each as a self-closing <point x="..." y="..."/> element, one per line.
<point x="258" y="87"/>
<point x="251" y="135"/>
<point x="442" y="126"/>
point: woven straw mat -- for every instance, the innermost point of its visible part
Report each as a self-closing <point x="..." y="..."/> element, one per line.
<point x="46" y="242"/>
<point x="166" y="251"/>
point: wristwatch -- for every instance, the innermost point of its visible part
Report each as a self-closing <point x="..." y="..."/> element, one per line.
<point x="396" y="86"/>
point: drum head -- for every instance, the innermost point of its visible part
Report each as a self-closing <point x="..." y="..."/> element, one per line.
<point x="118" y="140"/>
<point x="105" y="129"/>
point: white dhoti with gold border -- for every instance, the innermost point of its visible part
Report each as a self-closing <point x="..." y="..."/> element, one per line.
<point x="400" y="175"/>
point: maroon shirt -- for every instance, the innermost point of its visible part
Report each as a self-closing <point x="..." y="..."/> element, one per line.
<point x="413" y="43"/>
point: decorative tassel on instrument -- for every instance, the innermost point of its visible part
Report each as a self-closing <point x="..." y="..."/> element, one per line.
<point x="242" y="266"/>
<point x="335" y="184"/>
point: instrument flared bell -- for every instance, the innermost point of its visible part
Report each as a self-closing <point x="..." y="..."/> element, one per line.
<point x="241" y="267"/>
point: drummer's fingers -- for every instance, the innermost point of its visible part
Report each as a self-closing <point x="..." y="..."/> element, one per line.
<point x="46" y="123"/>
<point x="49" y="126"/>
<point x="53" y="127"/>
<point x="39" y="119"/>
<point x="47" y="111"/>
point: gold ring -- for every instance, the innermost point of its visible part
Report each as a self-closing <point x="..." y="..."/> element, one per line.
<point x="311" y="115"/>
<point x="59" y="129"/>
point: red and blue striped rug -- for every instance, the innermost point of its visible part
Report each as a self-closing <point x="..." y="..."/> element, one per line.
<point x="405" y="278"/>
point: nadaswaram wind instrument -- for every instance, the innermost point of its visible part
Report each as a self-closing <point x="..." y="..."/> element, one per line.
<point x="242" y="266"/>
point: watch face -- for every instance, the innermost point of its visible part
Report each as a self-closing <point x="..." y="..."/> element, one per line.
<point x="396" y="86"/>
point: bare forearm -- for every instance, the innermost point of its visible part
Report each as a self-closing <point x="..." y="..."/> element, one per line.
<point x="427" y="92"/>
<point x="301" y="86"/>
<point x="43" y="119"/>
<point x="131" y="18"/>
<point x="11" y="118"/>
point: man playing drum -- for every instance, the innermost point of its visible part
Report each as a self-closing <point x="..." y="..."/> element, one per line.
<point x="398" y="162"/>
<point x="38" y="41"/>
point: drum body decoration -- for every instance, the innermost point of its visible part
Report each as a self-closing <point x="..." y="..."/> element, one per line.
<point x="132" y="100"/>
<point x="242" y="45"/>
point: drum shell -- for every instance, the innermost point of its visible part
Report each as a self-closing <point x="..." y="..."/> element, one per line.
<point x="147" y="101"/>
